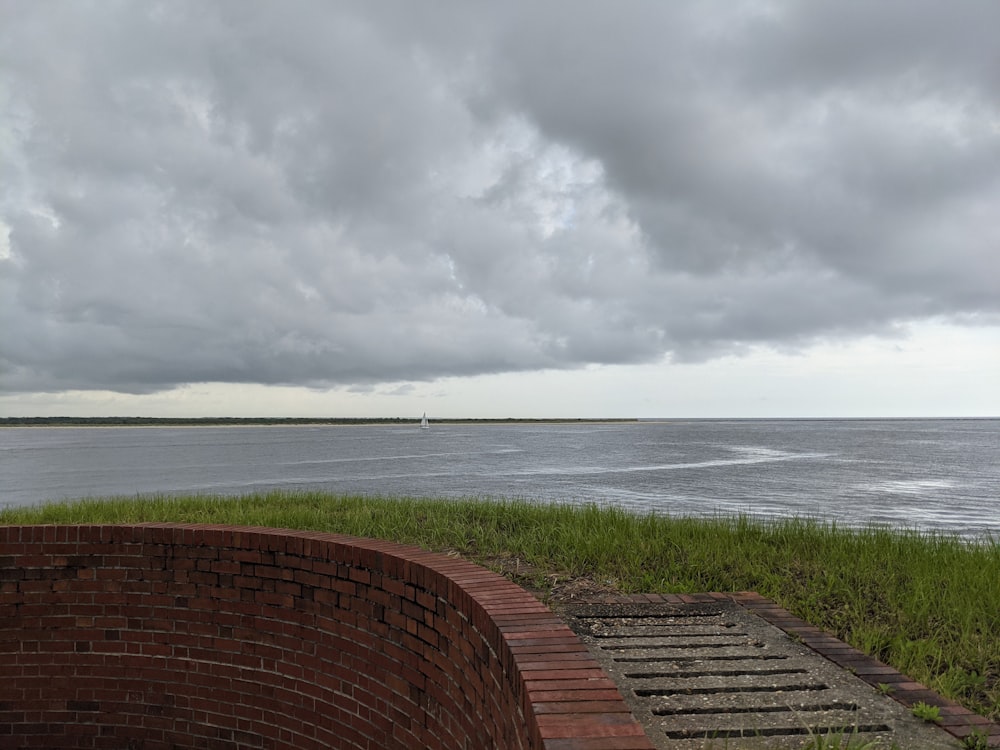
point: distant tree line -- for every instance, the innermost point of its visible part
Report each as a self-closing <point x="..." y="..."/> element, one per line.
<point x="221" y="421"/>
<point x="193" y="421"/>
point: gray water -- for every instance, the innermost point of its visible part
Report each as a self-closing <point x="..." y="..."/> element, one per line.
<point x="941" y="475"/>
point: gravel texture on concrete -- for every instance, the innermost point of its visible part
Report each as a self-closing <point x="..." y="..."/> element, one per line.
<point x="735" y="671"/>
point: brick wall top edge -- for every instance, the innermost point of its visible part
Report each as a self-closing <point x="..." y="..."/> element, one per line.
<point x="443" y="575"/>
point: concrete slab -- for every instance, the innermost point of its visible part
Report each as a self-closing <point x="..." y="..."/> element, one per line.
<point x="716" y="674"/>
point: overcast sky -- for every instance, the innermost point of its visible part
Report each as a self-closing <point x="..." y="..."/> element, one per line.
<point x="656" y="209"/>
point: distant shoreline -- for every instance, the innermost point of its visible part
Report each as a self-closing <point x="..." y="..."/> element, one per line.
<point x="14" y="422"/>
<point x="274" y="421"/>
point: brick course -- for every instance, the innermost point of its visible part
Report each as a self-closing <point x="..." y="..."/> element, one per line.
<point x="196" y="636"/>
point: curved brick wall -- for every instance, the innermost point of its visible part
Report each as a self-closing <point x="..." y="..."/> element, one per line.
<point x="189" y="636"/>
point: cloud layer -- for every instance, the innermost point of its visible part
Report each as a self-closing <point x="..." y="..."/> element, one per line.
<point x="347" y="193"/>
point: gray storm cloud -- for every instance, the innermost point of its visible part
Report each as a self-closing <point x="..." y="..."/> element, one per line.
<point x="347" y="193"/>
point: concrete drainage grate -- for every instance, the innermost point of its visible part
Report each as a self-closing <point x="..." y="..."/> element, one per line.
<point x="717" y="676"/>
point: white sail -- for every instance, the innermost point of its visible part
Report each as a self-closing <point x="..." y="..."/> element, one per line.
<point x="423" y="422"/>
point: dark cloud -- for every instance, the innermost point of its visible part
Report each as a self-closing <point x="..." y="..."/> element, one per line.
<point x="353" y="193"/>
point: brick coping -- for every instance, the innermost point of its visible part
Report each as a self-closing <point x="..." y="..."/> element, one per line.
<point x="957" y="720"/>
<point x="416" y="600"/>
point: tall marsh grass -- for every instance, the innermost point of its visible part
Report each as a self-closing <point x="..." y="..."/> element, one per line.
<point x="927" y="604"/>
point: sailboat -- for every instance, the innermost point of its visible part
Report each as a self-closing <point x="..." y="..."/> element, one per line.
<point x="423" y="422"/>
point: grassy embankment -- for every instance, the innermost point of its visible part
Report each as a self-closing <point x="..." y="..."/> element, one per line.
<point x="929" y="605"/>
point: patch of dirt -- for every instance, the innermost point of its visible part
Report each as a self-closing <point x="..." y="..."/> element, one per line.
<point x="555" y="590"/>
<point x="579" y="589"/>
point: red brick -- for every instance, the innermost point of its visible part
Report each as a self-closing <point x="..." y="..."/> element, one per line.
<point x="285" y="639"/>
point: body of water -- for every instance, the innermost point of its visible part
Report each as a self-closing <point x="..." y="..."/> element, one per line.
<point x="937" y="474"/>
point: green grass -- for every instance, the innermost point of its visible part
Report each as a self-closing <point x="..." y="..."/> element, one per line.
<point x="929" y="605"/>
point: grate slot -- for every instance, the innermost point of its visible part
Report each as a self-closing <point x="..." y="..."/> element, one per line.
<point x="696" y="659"/>
<point x="675" y="646"/>
<point x="708" y="710"/>
<point x="713" y="673"/>
<point x="653" y="615"/>
<point x="721" y="734"/>
<point x="643" y="692"/>
<point x="688" y="634"/>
